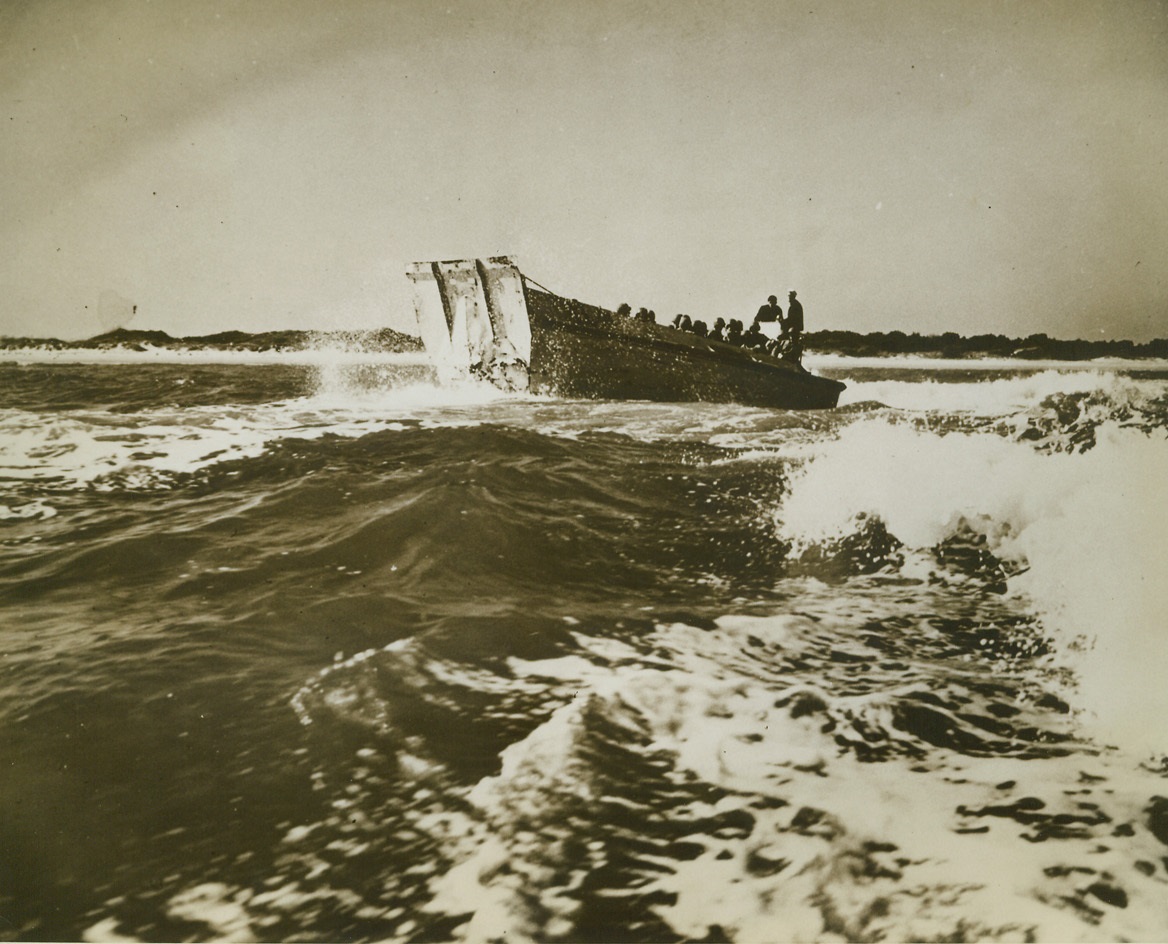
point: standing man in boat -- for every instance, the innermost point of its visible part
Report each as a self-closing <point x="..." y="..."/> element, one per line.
<point x="793" y="326"/>
<point x="790" y="341"/>
<point x="770" y="311"/>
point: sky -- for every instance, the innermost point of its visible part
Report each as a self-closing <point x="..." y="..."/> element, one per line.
<point x="979" y="166"/>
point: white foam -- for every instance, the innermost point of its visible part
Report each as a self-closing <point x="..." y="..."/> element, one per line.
<point x="82" y="448"/>
<point x="33" y="509"/>
<point x="106" y="931"/>
<point x="867" y="850"/>
<point x="145" y="449"/>
<point x="999" y="396"/>
<point x="1091" y="527"/>
<point x="219" y="907"/>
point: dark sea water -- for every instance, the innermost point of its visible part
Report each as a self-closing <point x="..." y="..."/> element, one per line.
<point x="331" y="653"/>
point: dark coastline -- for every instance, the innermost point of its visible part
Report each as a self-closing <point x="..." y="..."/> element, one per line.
<point x="380" y="340"/>
<point x="952" y="345"/>
<point x="846" y="343"/>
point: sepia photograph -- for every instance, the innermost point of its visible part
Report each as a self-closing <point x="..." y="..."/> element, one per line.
<point x="583" y="471"/>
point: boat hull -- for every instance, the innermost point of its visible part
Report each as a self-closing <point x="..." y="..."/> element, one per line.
<point x="579" y="350"/>
<point x="483" y="317"/>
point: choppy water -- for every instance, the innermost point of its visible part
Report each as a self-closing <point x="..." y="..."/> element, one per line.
<point x="312" y="653"/>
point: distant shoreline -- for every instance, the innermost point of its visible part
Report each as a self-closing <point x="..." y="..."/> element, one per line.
<point x="949" y="346"/>
<point x="381" y="340"/>
<point x="953" y="346"/>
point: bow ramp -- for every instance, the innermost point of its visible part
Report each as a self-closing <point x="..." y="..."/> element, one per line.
<point x="472" y="316"/>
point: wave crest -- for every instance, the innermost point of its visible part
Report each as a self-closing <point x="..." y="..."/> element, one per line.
<point x="1082" y="534"/>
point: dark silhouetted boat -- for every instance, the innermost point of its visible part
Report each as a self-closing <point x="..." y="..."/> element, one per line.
<point x="484" y="317"/>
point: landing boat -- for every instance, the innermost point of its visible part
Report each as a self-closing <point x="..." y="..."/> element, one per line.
<point x="483" y="317"/>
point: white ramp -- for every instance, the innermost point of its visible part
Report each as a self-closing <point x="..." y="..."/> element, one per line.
<point x="472" y="317"/>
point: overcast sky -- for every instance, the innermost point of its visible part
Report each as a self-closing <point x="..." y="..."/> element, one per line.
<point x="977" y="166"/>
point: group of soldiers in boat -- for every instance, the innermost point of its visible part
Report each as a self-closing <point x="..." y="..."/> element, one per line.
<point x="787" y="346"/>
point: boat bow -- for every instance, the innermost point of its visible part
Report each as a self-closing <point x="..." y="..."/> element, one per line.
<point x="472" y="316"/>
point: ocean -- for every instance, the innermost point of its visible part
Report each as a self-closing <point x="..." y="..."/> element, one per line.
<point x="325" y="651"/>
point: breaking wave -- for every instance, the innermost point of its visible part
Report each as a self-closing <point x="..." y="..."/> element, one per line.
<point x="1083" y="534"/>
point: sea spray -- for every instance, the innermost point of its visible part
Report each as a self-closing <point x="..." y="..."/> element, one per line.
<point x="1086" y="535"/>
<point x="345" y="385"/>
<point x="1096" y="575"/>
